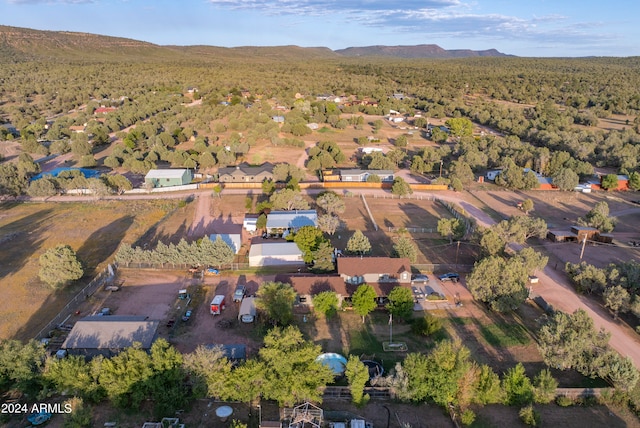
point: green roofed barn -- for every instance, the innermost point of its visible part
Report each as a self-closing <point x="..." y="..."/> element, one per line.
<point x="168" y="177"/>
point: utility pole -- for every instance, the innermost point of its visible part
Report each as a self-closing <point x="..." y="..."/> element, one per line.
<point x="584" y="242"/>
<point x="457" y="250"/>
<point x="440" y="169"/>
<point x="390" y="329"/>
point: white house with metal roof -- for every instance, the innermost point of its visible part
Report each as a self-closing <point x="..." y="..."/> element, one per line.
<point x="275" y="253"/>
<point x="281" y="221"/>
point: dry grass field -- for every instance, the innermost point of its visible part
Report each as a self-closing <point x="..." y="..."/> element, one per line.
<point x="93" y="228"/>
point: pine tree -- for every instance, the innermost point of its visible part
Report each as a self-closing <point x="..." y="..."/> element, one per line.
<point x="358" y="243"/>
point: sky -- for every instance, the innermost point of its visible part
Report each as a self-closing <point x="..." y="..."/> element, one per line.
<point x="530" y="28"/>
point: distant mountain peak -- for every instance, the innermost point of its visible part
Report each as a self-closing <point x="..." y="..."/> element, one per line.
<point x="415" y="51"/>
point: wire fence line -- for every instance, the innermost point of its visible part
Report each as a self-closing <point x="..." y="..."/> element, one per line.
<point x="99" y="280"/>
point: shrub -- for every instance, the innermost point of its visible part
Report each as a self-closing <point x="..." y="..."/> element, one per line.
<point x="468" y="417"/>
<point x="530" y="416"/>
<point x="564" y="401"/>
<point x="426" y="326"/>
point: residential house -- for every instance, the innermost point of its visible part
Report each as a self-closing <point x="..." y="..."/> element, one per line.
<point x="280" y="221"/>
<point x="245" y="173"/>
<point x="361" y="175"/>
<point x="493" y="174"/>
<point x="307" y="286"/>
<point x="278" y="119"/>
<point x="274" y="254"/>
<point x="168" y="177"/>
<point x="109" y="335"/>
<point x="104" y="110"/>
<point x="233" y="240"/>
<point x="383" y="273"/>
<point x="78" y="129"/>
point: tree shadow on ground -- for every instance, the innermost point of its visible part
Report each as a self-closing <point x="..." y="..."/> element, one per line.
<point x="103" y="242"/>
<point x="21" y="239"/>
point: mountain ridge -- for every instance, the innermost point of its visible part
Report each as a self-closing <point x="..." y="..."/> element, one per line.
<point x="24" y="43"/>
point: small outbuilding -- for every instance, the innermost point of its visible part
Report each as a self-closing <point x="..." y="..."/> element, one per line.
<point x="168" y="177"/>
<point x="109" y="335"/>
<point x="275" y="253"/>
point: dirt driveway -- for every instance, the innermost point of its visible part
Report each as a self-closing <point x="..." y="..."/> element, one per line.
<point x="154" y="294"/>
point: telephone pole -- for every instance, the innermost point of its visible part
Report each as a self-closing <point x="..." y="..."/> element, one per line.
<point x="584" y="242"/>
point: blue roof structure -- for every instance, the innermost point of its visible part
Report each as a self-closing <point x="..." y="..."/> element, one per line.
<point x="88" y="173"/>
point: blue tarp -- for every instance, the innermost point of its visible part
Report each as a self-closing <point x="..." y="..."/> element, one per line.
<point x="88" y="173"/>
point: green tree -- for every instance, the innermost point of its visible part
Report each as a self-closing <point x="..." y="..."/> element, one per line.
<point x="527" y="206"/>
<point x="331" y="203"/>
<point x="426" y="326"/>
<point x="261" y="222"/>
<point x="42" y="187"/>
<point x="119" y="183"/>
<point x="326" y="303"/>
<point x="451" y="228"/>
<point x="517" y="386"/>
<point x="216" y="253"/>
<point x="401" y="303"/>
<point x="26" y="166"/>
<point x="609" y="182"/>
<point x="599" y="218"/>
<point x="288" y="199"/>
<point x="308" y="239"/>
<point x="400" y="187"/>
<point x="124" y="376"/>
<point x="292" y="374"/>
<point x="80" y="416"/>
<point x="565" y="179"/>
<point x="323" y="258"/>
<point x="571" y="341"/>
<point x="404" y="247"/>
<point x="328" y="223"/>
<point x="358" y="243"/>
<point x="59" y="265"/>
<point x="276" y="300"/>
<point x="530" y="416"/>
<point x="357" y="375"/>
<point x="499" y="283"/>
<point x="12" y="183"/>
<point x="208" y="370"/>
<point x="617" y="299"/>
<point x="20" y="366"/>
<point x="364" y="300"/>
<point x="486" y="387"/>
<point x="634" y="180"/>
<point x="76" y="376"/>
<point x="460" y="127"/>
<point x="246" y="382"/>
<point x="544" y="387"/>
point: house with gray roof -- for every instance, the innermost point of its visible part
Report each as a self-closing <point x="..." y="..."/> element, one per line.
<point x="109" y="335"/>
<point x="281" y="221"/>
<point x="245" y="173"/>
<point x="360" y="175"/>
<point x="275" y="253"/>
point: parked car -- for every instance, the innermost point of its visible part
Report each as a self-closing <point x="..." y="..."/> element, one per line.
<point x="418" y="294"/>
<point x="238" y="295"/>
<point x="419" y="279"/>
<point x="453" y="277"/>
<point x="187" y="316"/>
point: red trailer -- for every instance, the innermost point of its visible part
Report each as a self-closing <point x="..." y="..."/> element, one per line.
<point x="217" y="304"/>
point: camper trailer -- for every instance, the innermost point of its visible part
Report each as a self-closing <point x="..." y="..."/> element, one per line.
<point x="217" y="304"/>
<point x="247" y="312"/>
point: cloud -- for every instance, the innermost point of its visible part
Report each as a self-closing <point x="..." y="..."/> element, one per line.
<point x="50" y="1"/>
<point x="326" y="7"/>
